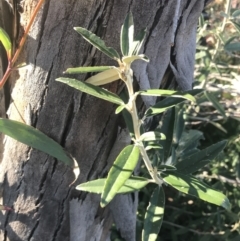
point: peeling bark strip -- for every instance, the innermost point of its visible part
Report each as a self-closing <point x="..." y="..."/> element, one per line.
<point x="37" y="186"/>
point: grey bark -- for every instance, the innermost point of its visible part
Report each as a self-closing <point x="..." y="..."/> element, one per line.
<point x="36" y="185"/>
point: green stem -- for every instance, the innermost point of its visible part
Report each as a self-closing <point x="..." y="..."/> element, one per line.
<point x="137" y="125"/>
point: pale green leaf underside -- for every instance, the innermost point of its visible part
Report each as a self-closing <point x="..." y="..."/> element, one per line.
<point x="154" y="215"/>
<point x="104" y="77"/>
<point x="131" y="185"/>
<point x="130" y="59"/>
<point x="192" y="186"/>
<point x="172" y="93"/>
<point x="97" y="42"/>
<point x="152" y="136"/>
<point x="79" y="70"/>
<point x="34" y="138"/>
<point x="120" y="171"/>
<point x="92" y="90"/>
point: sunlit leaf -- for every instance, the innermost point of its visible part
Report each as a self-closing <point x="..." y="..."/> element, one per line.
<point x="192" y="186"/>
<point x="103" y="78"/>
<point x="131" y="185"/>
<point x="98" y="43"/>
<point x="194" y="162"/>
<point x="6" y="41"/>
<point x="130" y="59"/>
<point x="167" y="93"/>
<point x="34" y="138"/>
<point x="138" y="42"/>
<point x="79" y="70"/>
<point x="169" y="102"/>
<point x="152" y="136"/>
<point x="127" y="33"/>
<point x="154" y="215"/>
<point x="163" y="105"/>
<point x="119" y="109"/>
<point x="121" y="170"/>
<point x="92" y="90"/>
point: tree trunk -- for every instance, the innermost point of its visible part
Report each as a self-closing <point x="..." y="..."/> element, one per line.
<point x="37" y="185"/>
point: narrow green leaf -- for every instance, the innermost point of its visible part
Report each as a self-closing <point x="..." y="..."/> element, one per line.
<point x="236" y="13"/>
<point x="121" y="170"/>
<point x="150" y="146"/>
<point x="92" y="90"/>
<point x="152" y="136"/>
<point x="189" y="142"/>
<point x="163" y="168"/>
<point x="169" y="102"/>
<point x="126" y="115"/>
<point x="232" y="47"/>
<point x="154" y="215"/>
<point x="103" y="78"/>
<point x="130" y="59"/>
<point x="131" y="185"/>
<point x="167" y="127"/>
<point x="34" y="138"/>
<point x="79" y="70"/>
<point x="119" y="109"/>
<point x="98" y="43"/>
<point x="192" y="186"/>
<point x="127" y="33"/>
<point x="6" y="41"/>
<point x="194" y="162"/>
<point x="215" y="103"/>
<point x="167" y="93"/>
<point x="237" y="26"/>
<point x="138" y="42"/>
<point x="163" y="105"/>
<point x="179" y="124"/>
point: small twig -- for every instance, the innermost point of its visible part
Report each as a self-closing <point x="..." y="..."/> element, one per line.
<point x="22" y="42"/>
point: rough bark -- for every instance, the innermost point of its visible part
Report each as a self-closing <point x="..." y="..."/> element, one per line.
<point x="36" y="185"/>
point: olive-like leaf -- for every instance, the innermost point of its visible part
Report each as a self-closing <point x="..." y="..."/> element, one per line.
<point x="98" y="43"/>
<point x="131" y="185"/>
<point x="163" y="105"/>
<point x="215" y="103"/>
<point x="194" y="162"/>
<point x="154" y="215"/>
<point x="6" y="41"/>
<point x="121" y="170"/>
<point x="119" y="109"/>
<point x="127" y="34"/>
<point x="166" y="93"/>
<point x="167" y="127"/>
<point x="92" y="90"/>
<point x="79" y="70"/>
<point x="192" y="186"/>
<point x="152" y="136"/>
<point x="130" y="59"/>
<point x="34" y="138"/>
<point x="138" y="42"/>
<point x="104" y="77"/>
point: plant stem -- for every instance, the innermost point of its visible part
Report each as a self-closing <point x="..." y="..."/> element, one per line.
<point x="137" y="125"/>
<point x="21" y="44"/>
